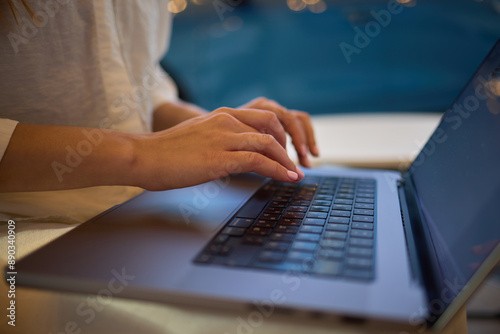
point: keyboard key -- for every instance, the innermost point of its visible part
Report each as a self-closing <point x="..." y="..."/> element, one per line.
<point x="259" y="231"/>
<point x="357" y="262"/>
<point x="328" y="253"/>
<point x="322" y="203"/>
<point x="300" y="203"/>
<point x="339" y="213"/>
<point x="204" y="258"/>
<point x="296" y="215"/>
<point x="297" y="208"/>
<point x="364" y="206"/>
<point x="365" y="200"/>
<point x="277" y="245"/>
<point x="318" y="208"/>
<point x="303" y="197"/>
<point x="343" y="201"/>
<point x="339" y="220"/>
<point x="213" y="249"/>
<point x="221" y="238"/>
<point x="322" y="215"/>
<point x="337" y="227"/>
<point x="329" y="243"/>
<point x="286" y="229"/>
<point x="271" y="256"/>
<point x="290" y="221"/>
<point x="269" y="216"/>
<point x="343" y="207"/>
<point x="281" y="198"/>
<point x="253" y="240"/>
<point x="345" y="195"/>
<point x="363" y="212"/>
<point x="361" y="242"/>
<point x="365" y="194"/>
<point x="265" y="223"/>
<point x="275" y="210"/>
<point x="298" y="256"/>
<point x="311" y="229"/>
<point x="256" y="204"/>
<point x="282" y="236"/>
<point x="361" y="233"/>
<point x="327" y="267"/>
<point x="277" y="204"/>
<point x="324" y="197"/>
<point x="234" y="231"/>
<point x="314" y="221"/>
<point x="225" y="250"/>
<point x="304" y="246"/>
<point x="281" y="266"/>
<point x="241" y="222"/>
<point x="365" y="226"/>
<point x="335" y="235"/>
<point x="307" y="237"/>
<point x="363" y="219"/>
<point x="362" y="252"/>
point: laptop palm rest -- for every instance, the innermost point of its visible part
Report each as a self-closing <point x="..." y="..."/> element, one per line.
<point x="203" y="208"/>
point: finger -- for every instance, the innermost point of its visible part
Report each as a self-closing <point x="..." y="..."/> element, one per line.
<point x="264" y="144"/>
<point x="291" y="124"/>
<point x="227" y="122"/>
<point x="305" y="118"/>
<point x="245" y="162"/>
<point x="262" y="120"/>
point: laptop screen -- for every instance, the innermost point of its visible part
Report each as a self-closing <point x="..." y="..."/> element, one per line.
<point x="457" y="177"/>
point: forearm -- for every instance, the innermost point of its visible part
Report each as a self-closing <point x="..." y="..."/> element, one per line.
<point x="41" y="157"/>
<point x="172" y="113"/>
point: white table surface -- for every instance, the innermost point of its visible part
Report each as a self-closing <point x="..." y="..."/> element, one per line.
<point x="379" y="140"/>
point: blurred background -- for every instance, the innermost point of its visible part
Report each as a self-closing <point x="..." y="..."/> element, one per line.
<point x="329" y="56"/>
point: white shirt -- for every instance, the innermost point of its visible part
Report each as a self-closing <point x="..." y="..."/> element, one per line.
<point x="83" y="63"/>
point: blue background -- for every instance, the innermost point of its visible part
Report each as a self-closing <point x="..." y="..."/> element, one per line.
<point x="419" y="62"/>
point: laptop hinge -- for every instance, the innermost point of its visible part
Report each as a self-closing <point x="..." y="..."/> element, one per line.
<point x="417" y="229"/>
<point x="410" y="239"/>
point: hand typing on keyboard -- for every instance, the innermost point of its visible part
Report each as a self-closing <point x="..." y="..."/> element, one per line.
<point x="226" y="141"/>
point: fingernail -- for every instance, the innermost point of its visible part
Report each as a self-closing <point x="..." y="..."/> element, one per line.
<point x="315" y="151"/>
<point x="307" y="162"/>
<point x="300" y="172"/>
<point x="303" y="149"/>
<point x="292" y="175"/>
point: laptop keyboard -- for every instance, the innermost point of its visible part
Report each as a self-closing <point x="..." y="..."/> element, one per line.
<point x="321" y="226"/>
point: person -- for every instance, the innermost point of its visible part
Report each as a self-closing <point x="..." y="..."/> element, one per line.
<point x="85" y="103"/>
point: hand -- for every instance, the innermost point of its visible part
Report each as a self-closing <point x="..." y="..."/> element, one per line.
<point x="296" y="123"/>
<point x="212" y="146"/>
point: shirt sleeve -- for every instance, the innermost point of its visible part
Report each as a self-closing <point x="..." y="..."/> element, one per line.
<point x="7" y="127"/>
<point x="165" y="89"/>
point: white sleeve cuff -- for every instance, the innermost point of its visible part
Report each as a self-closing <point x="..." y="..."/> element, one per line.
<point x="7" y="127"/>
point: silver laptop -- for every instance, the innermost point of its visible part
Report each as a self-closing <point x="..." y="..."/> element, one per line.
<point x="366" y="244"/>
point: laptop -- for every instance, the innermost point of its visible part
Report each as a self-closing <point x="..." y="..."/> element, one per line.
<point x="407" y="247"/>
